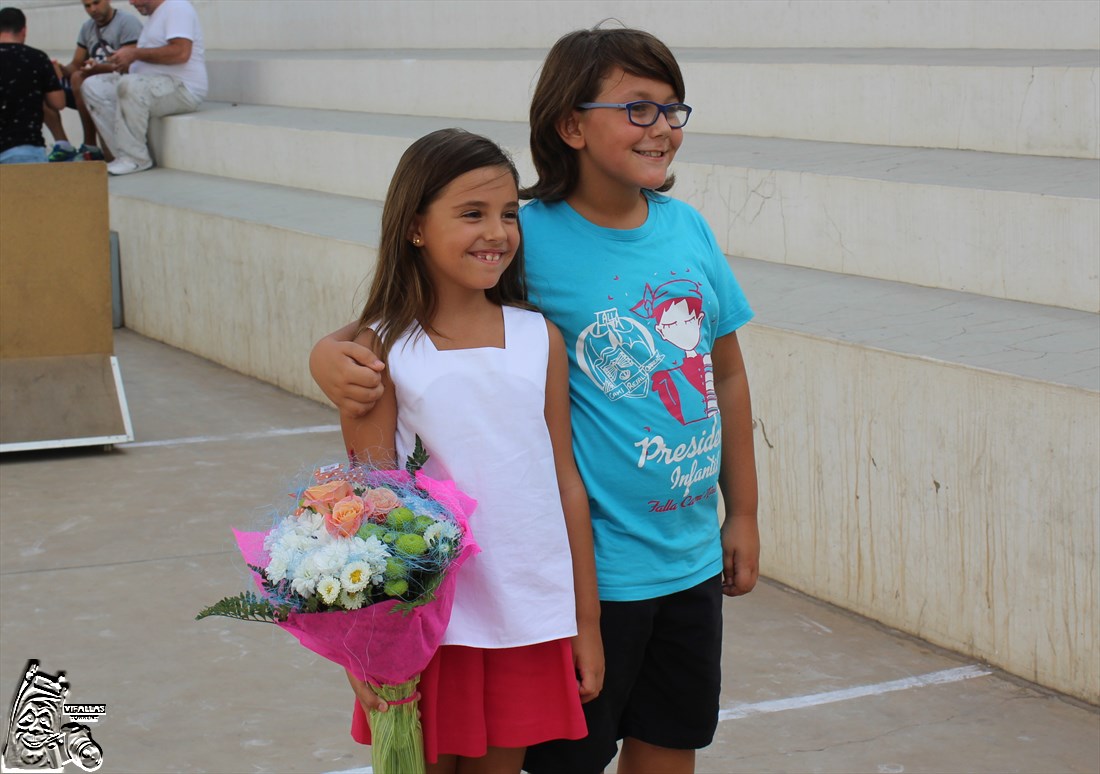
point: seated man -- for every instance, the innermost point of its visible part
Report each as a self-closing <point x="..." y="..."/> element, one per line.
<point x="167" y="76"/>
<point x="104" y="33"/>
<point x="28" y="80"/>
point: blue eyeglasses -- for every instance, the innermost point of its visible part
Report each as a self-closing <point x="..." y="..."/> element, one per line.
<point x="645" y="113"/>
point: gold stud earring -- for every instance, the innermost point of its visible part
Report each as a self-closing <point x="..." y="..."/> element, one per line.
<point x="417" y="241"/>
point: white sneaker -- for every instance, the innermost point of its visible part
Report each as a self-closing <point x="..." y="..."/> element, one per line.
<point x="126" y="165"/>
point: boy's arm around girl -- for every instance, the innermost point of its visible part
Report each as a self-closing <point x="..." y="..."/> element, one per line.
<point x="356" y="385"/>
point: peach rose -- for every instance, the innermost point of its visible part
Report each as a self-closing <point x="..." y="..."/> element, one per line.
<point x="383" y="500"/>
<point x="322" y="497"/>
<point x="347" y="515"/>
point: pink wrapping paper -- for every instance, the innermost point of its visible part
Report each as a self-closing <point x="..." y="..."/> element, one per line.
<point x="376" y="643"/>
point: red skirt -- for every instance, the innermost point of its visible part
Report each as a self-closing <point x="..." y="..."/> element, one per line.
<point x="475" y="698"/>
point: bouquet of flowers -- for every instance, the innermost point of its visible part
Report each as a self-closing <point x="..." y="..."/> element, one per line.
<point x="362" y="572"/>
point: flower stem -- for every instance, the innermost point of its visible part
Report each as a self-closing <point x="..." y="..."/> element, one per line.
<point x="397" y="739"/>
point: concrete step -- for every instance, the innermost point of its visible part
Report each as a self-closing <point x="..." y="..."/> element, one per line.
<point x="1014" y="227"/>
<point x="893" y="414"/>
<point x="333" y="151"/>
<point x="1023" y="102"/>
<point x="276" y="24"/>
<point x="246" y="274"/>
<point x="1031" y="341"/>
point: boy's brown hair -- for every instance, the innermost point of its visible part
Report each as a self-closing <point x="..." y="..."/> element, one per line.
<point x="573" y="73"/>
<point x="401" y="292"/>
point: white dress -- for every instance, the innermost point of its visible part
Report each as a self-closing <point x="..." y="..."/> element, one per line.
<point x="480" y="415"/>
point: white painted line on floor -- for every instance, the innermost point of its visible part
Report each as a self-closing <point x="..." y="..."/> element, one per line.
<point x="820" y="628"/>
<point x="828" y="697"/>
<point x="859" y="691"/>
<point x="233" y="437"/>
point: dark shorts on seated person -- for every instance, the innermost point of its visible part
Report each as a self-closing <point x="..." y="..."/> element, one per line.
<point x="67" y="87"/>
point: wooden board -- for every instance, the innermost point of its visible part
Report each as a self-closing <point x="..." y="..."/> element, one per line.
<point x="59" y="383"/>
<point x="55" y="254"/>
<point x="75" y="400"/>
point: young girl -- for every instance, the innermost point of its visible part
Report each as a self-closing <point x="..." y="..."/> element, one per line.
<point x="483" y="381"/>
<point x="660" y="398"/>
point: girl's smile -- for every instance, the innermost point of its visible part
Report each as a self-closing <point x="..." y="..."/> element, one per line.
<point x="469" y="234"/>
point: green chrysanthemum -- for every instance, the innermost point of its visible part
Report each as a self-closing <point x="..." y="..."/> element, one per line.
<point x="396" y="587"/>
<point x="398" y="518"/>
<point x="411" y="544"/>
<point x="370" y="529"/>
<point x="395" y="569"/>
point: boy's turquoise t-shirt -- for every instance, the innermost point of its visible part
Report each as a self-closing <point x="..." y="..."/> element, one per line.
<point x="640" y="310"/>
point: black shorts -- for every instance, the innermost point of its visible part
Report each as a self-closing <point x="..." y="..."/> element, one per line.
<point x="67" y="86"/>
<point x="662" y="683"/>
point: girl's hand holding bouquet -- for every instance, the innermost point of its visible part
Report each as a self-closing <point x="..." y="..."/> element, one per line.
<point x="362" y="572"/>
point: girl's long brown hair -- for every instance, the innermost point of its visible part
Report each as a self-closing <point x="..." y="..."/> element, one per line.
<point x="401" y="292"/>
<point x="572" y="73"/>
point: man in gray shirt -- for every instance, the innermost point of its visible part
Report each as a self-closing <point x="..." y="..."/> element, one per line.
<point x="103" y="34"/>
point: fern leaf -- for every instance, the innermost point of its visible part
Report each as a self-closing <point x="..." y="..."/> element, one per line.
<point x="246" y="606"/>
<point x="416" y="460"/>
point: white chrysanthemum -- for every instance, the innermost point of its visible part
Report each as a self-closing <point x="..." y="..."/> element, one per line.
<point x="304" y="552"/>
<point x="373" y="553"/>
<point x="351" y="600"/>
<point x="275" y="540"/>
<point x="296" y="543"/>
<point x="371" y="550"/>
<point x="330" y="559"/>
<point x="356" y="576"/>
<point x="277" y="567"/>
<point x="307" y="568"/>
<point x="370" y="546"/>
<point x="441" y="530"/>
<point x="308" y="522"/>
<point x="329" y="589"/>
<point x="292" y="538"/>
<point x="304" y="585"/>
<point x="431" y="534"/>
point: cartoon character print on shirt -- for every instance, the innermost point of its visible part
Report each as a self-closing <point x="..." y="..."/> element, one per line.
<point x="676" y="309"/>
<point x="620" y="355"/>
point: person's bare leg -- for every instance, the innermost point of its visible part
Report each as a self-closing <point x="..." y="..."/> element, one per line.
<point x="638" y="757"/>
<point x="446" y="764"/>
<point x="497" y="760"/>
<point x="86" y="122"/>
<point x="52" y="120"/>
